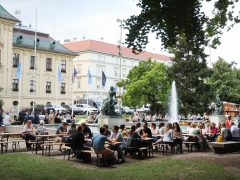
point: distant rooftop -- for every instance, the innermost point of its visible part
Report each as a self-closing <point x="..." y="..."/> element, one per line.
<point x="24" y="36"/>
<point x="98" y="46"/>
<point x="6" y="15"/>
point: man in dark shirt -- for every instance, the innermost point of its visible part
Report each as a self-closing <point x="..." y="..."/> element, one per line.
<point x="77" y="139"/>
<point x="86" y="131"/>
<point x="62" y="130"/>
<point x="146" y="132"/>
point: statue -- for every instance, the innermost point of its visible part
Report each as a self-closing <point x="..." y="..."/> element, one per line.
<point x="218" y="106"/>
<point x="108" y="107"/>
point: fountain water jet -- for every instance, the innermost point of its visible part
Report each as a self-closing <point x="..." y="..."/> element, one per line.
<point x="173" y="106"/>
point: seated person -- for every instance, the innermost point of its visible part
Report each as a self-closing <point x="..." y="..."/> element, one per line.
<point x="123" y="130"/>
<point x="235" y="132"/>
<point x="225" y="133"/>
<point x="133" y="140"/>
<point x="61" y="131"/>
<point x="72" y="130"/>
<point x="98" y="144"/>
<point x="168" y="134"/>
<point x="154" y="129"/>
<point x="161" y="128"/>
<point x="108" y="133"/>
<point x="41" y="129"/>
<point x="177" y="134"/>
<point x="117" y="137"/>
<point x="78" y="143"/>
<point x="145" y="132"/>
<point x="28" y="133"/>
<point x="86" y="131"/>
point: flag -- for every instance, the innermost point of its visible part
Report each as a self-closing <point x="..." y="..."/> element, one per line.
<point x="74" y="74"/>
<point x="59" y="74"/>
<point x="19" y="71"/>
<point x="103" y="79"/>
<point x="89" y="77"/>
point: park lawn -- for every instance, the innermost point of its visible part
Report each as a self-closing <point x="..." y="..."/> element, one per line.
<point x="27" y="166"/>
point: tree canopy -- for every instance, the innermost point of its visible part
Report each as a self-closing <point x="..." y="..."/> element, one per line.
<point x="172" y="18"/>
<point x="225" y="81"/>
<point x="190" y="73"/>
<point x="146" y="83"/>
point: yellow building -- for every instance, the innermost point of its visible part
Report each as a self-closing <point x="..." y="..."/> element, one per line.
<point x="46" y="74"/>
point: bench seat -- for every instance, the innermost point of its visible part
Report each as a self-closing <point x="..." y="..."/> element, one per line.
<point x="225" y="147"/>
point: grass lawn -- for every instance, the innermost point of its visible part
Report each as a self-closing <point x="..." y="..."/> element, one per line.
<point x="27" y="166"/>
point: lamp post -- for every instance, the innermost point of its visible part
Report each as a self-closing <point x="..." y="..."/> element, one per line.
<point x="120" y="21"/>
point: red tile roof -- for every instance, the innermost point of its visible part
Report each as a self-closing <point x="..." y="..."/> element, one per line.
<point x="98" y="46"/>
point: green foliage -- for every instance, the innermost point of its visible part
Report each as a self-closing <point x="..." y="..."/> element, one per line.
<point x="190" y="72"/>
<point x="225" y="81"/>
<point x="172" y="18"/>
<point x="146" y="83"/>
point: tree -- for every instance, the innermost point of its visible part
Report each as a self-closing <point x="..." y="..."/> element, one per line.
<point x="172" y="18"/>
<point x="225" y="81"/>
<point x="190" y="73"/>
<point x="146" y="83"/>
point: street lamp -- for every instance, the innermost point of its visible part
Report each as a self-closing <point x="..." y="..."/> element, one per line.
<point x="120" y="21"/>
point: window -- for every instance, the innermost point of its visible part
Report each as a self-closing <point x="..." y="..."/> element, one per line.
<point x="63" y="85"/>
<point x="79" y="69"/>
<point x="124" y="61"/>
<point x="98" y="83"/>
<point x="63" y="66"/>
<point x="32" y="86"/>
<point x="48" y="87"/>
<point x="15" y="59"/>
<point x="49" y="64"/>
<point x="0" y="57"/>
<point x="15" y="85"/>
<point x="116" y="71"/>
<point x="32" y="62"/>
<point x="79" y="84"/>
<point x="124" y="72"/>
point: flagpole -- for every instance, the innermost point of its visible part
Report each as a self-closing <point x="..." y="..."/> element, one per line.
<point x="57" y="85"/>
<point x="35" y="60"/>
<point x="73" y="79"/>
<point x="19" y="93"/>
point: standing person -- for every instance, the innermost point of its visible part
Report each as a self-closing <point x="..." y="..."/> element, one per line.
<point x="228" y="121"/>
<point x="51" y="117"/>
<point x="28" y="133"/>
<point x="1" y="117"/>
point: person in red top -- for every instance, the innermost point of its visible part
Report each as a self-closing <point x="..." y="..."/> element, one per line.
<point x="228" y="121"/>
<point x="213" y="132"/>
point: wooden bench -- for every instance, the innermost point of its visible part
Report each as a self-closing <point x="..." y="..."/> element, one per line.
<point x="48" y="145"/>
<point x="16" y="143"/>
<point x="225" y="147"/>
<point x="190" y="145"/>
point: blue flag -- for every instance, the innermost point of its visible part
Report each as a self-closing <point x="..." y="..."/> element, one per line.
<point x="74" y="74"/>
<point x="89" y="77"/>
<point x="59" y="74"/>
<point x="103" y="79"/>
<point x="19" y="71"/>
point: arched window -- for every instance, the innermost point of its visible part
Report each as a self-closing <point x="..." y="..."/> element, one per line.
<point x="15" y="103"/>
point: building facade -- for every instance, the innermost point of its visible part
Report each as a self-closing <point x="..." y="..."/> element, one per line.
<point x="46" y="73"/>
<point x="114" y="60"/>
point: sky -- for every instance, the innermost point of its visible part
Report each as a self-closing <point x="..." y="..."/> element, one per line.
<point x="97" y="20"/>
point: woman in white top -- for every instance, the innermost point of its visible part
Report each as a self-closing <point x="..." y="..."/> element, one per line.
<point x="28" y="133"/>
<point x="7" y="119"/>
<point x="168" y="134"/>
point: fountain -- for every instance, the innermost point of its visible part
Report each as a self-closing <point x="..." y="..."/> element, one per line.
<point x="173" y="106"/>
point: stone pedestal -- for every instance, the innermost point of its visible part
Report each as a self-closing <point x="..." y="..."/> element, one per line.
<point x="110" y="120"/>
<point x="217" y="119"/>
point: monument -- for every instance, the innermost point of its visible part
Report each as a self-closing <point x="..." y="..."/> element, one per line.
<point x="108" y="115"/>
<point x="218" y="114"/>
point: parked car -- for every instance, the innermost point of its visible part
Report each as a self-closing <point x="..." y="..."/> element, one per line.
<point x="128" y="110"/>
<point x="86" y="108"/>
<point x="77" y="110"/>
<point x="48" y="108"/>
<point x="59" y="108"/>
<point x="68" y="108"/>
<point x="38" y="108"/>
<point x="144" y="108"/>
